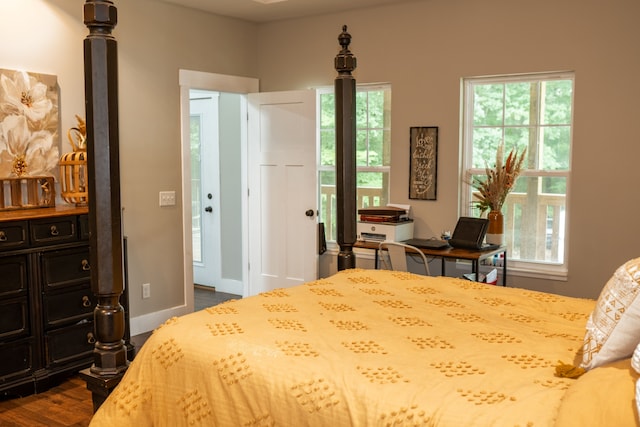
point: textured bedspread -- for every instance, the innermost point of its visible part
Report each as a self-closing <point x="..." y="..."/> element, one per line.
<point x="361" y="348"/>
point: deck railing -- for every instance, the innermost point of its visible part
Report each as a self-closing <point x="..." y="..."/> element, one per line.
<point x="535" y="226"/>
<point x="366" y="197"/>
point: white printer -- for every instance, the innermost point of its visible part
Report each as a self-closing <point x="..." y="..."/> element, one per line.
<point x="384" y="231"/>
<point x="385" y="223"/>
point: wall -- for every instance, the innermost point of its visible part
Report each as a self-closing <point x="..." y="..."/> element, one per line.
<point x="155" y="39"/>
<point x="424" y="48"/>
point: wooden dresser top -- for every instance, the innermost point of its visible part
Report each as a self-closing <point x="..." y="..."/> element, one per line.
<point x="22" y="214"/>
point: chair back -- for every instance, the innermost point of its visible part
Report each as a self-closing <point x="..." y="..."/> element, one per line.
<point x="393" y="255"/>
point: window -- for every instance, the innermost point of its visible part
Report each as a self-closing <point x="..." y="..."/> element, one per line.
<point x="373" y="149"/>
<point x="532" y="112"/>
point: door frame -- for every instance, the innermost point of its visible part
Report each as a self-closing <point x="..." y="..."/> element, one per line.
<point x="189" y="79"/>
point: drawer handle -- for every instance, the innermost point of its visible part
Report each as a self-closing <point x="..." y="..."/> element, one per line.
<point x="86" y="301"/>
<point x="90" y="338"/>
<point x="3" y="236"/>
<point x="85" y="265"/>
<point x="54" y="230"/>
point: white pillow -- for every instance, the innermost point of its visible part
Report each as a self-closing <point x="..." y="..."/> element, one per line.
<point x="613" y="328"/>
<point x="635" y="363"/>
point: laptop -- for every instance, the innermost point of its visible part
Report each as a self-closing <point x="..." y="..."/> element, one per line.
<point x="427" y="243"/>
<point x="469" y="234"/>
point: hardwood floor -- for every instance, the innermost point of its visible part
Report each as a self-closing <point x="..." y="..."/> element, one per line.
<point x="69" y="404"/>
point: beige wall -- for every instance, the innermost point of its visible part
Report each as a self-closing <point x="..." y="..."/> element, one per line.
<point x="154" y="41"/>
<point x="424" y="48"/>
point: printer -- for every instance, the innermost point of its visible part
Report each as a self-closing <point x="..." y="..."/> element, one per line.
<point x="385" y="231"/>
<point x="385" y="223"/>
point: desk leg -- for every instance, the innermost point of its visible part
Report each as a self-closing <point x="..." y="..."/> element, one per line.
<point x="443" y="266"/>
<point x="375" y="262"/>
<point x="504" y="269"/>
<point x="474" y="267"/>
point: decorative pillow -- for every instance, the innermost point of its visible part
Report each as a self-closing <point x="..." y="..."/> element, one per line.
<point x="613" y="328"/>
<point x="603" y="397"/>
<point x="635" y="364"/>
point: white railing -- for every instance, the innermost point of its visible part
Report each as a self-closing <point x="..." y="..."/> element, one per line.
<point x="535" y="226"/>
<point x="366" y="197"/>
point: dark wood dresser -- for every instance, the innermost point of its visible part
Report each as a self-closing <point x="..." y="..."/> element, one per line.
<point x="46" y="302"/>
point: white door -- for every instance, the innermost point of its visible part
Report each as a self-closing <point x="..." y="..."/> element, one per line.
<point x="282" y="202"/>
<point x="205" y="185"/>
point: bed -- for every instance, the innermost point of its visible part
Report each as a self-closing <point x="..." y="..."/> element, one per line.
<point x="362" y="347"/>
<point x="370" y="348"/>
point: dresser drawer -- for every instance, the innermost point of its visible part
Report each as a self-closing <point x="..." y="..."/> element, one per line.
<point x="65" y="267"/>
<point x="13" y="275"/>
<point x="68" y="307"/>
<point x="13" y="235"/>
<point x="70" y="343"/>
<point x="53" y="230"/>
<point x="17" y="360"/>
<point x="14" y="318"/>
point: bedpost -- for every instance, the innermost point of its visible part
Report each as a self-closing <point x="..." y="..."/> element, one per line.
<point x="345" y="93"/>
<point x="105" y="225"/>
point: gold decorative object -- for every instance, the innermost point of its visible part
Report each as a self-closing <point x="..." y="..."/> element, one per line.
<point x="27" y="192"/>
<point x="73" y="167"/>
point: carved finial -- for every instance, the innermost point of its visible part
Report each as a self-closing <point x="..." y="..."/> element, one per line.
<point x="345" y="62"/>
<point x="100" y="16"/>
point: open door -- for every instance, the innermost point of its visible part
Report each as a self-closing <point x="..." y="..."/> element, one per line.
<point x="205" y="181"/>
<point x="282" y="197"/>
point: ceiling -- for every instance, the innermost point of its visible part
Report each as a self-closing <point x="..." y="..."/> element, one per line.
<point x="261" y="11"/>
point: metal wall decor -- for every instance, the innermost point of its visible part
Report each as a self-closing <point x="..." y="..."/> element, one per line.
<point x="423" y="164"/>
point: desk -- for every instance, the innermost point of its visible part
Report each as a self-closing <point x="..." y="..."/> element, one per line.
<point x="475" y="256"/>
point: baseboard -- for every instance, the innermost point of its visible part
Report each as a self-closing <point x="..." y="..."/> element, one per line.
<point x="149" y="322"/>
<point x="229" y="286"/>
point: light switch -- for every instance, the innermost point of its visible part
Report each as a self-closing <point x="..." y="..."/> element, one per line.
<point x="167" y="198"/>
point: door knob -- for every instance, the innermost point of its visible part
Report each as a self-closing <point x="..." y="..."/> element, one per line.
<point x="208" y="209"/>
<point x="309" y="212"/>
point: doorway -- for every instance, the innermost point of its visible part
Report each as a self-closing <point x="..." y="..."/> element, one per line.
<point x="213" y="109"/>
<point x="205" y="186"/>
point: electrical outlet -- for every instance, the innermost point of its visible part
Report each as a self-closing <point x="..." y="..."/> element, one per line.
<point x="167" y="198"/>
<point x="146" y="290"/>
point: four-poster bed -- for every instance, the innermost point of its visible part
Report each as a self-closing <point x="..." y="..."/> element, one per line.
<point x="362" y="347"/>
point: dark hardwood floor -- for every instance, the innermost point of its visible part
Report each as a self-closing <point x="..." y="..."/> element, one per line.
<point x="69" y="404"/>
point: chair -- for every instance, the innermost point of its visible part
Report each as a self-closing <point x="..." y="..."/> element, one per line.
<point x="394" y="256"/>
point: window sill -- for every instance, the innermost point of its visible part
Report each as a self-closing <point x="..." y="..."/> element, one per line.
<point x="334" y="249"/>
<point x="538" y="271"/>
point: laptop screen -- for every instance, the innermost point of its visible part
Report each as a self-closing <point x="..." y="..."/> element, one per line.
<point x="469" y="232"/>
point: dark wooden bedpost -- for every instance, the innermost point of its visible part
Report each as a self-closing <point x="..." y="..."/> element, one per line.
<point x="105" y="217"/>
<point x="345" y="93"/>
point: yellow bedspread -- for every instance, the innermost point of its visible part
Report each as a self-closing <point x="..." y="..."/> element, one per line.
<point x="361" y="348"/>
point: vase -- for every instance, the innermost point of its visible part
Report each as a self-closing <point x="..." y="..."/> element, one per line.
<point x="495" y="230"/>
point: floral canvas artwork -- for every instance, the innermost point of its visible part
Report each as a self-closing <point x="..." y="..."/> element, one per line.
<point x="29" y="118"/>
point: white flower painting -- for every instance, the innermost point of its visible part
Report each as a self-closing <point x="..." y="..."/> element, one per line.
<point x="28" y="124"/>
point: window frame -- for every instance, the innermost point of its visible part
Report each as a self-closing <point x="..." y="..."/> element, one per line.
<point x="360" y="87"/>
<point x="528" y="268"/>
